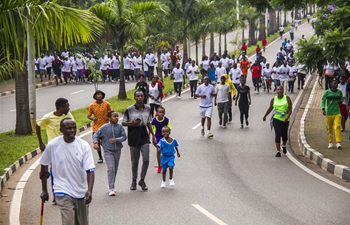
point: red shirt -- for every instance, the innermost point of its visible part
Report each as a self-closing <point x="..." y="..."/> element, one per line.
<point x="264" y="42"/>
<point x="258" y="50"/>
<point x="244" y="48"/>
<point x="256" y="71"/>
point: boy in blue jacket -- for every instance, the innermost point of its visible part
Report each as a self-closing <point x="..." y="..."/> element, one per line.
<point x="112" y="135"/>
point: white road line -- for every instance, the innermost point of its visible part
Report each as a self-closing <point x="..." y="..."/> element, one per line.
<point x="15" y="206"/>
<point x="195" y="127"/>
<point x="12" y="110"/>
<point x="208" y="214"/>
<point x="73" y="93"/>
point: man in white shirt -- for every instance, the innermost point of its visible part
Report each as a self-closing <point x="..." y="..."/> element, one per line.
<point x="151" y="60"/>
<point x="73" y="168"/>
<point x="41" y="64"/>
<point x="66" y="69"/>
<point x="301" y="75"/>
<point x="235" y="75"/>
<point x="49" y="58"/>
<point x="291" y="32"/>
<point x="145" y="68"/>
<point x="223" y="100"/>
<point x="219" y="71"/>
<point x="206" y="92"/>
<point x="114" y="70"/>
<point x="225" y="62"/>
<point x="178" y="74"/>
<point x="137" y="62"/>
<point x="292" y="76"/>
<point x="165" y="63"/>
<point x="80" y="69"/>
<point x="283" y="72"/>
<point x="281" y="30"/>
<point x="192" y="74"/>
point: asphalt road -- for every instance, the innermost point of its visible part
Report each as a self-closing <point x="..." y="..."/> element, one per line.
<point x="233" y="178"/>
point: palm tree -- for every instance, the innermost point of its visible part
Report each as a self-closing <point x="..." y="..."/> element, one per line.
<point x="127" y="22"/>
<point x="63" y="26"/>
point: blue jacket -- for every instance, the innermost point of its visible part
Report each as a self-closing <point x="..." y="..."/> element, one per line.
<point x="108" y="131"/>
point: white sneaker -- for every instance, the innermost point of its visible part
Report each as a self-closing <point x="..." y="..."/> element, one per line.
<point x="163" y="185"/>
<point x="330" y="145"/>
<point x="171" y="182"/>
<point x="202" y="131"/>
<point x="338" y="145"/>
<point x="111" y="193"/>
<point x="210" y="135"/>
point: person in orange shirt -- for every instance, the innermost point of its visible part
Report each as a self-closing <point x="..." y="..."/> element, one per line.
<point x="245" y="65"/>
<point x="99" y="109"/>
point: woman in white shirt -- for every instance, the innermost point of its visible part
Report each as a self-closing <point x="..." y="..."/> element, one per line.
<point x="267" y="74"/>
<point x="204" y="66"/>
<point x="192" y="74"/>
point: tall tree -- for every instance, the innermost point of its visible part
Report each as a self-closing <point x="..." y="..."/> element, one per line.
<point x="127" y="23"/>
<point x="63" y="26"/>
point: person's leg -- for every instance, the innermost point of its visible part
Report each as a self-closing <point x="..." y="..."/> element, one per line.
<point x="179" y="85"/>
<point x="135" y="156"/>
<point x="225" y="110"/>
<point x="191" y="87"/>
<point x="195" y="86"/>
<point x="330" y="122"/>
<point x="246" y="113"/>
<point x="145" y="159"/>
<point x="337" y="129"/>
<point x="230" y="112"/>
<point x="284" y="135"/>
<point x="220" y="107"/>
<point x="278" y="133"/>
<point x="152" y="105"/>
<point x="158" y="160"/>
<point x="171" y="172"/>
<point x="66" y="205"/>
<point x="81" y="212"/>
<point x="175" y="88"/>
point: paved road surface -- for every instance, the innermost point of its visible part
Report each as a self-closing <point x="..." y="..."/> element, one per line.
<point x="234" y="177"/>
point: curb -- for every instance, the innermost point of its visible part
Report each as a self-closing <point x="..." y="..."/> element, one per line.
<point x="16" y="165"/>
<point x="44" y="84"/>
<point x="340" y="171"/>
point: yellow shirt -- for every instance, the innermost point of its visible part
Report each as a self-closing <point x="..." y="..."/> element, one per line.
<point x="100" y="112"/>
<point x="52" y="124"/>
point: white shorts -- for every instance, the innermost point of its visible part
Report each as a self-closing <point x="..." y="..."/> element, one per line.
<point x="206" y="112"/>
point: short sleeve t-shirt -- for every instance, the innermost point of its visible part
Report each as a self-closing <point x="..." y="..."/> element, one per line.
<point x="100" y="112"/>
<point x="206" y="90"/>
<point x="157" y="126"/>
<point x="166" y="148"/>
<point x="222" y="90"/>
<point x="138" y="135"/>
<point x="52" y="124"/>
<point x="243" y="94"/>
<point x="69" y="162"/>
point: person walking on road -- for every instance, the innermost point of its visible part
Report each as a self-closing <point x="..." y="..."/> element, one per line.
<point x="168" y="146"/>
<point x="192" y="73"/>
<point x="245" y="65"/>
<point x="178" y="74"/>
<point x="330" y="108"/>
<point x="137" y="118"/>
<point x="224" y="101"/>
<point x="51" y="122"/>
<point x="342" y="106"/>
<point x="244" y="101"/>
<point x="154" y="91"/>
<point x="281" y="108"/>
<point x="111" y="135"/>
<point x="73" y="166"/>
<point x="99" y="109"/>
<point x="142" y="85"/>
<point x="206" y="92"/>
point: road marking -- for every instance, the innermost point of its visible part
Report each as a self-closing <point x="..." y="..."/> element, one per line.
<point x="195" y="127"/>
<point x="76" y="92"/>
<point x="208" y="214"/>
<point x="12" y="110"/>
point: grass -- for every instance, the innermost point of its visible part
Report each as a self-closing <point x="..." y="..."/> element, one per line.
<point x="13" y="147"/>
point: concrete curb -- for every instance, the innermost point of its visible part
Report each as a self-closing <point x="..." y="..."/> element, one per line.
<point x="16" y="165"/>
<point x="44" y="84"/>
<point x="340" y="171"/>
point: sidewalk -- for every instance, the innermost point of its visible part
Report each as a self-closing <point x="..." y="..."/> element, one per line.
<point x="8" y="87"/>
<point x="312" y="136"/>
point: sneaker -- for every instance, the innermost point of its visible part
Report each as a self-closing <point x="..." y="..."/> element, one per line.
<point x="224" y="126"/>
<point x="278" y="154"/>
<point x="143" y="185"/>
<point x="202" y="131"/>
<point x="247" y="123"/>
<point x="220" y="122"/>
<point x="54" y="202"/>
<point x="171" y="182"/>
<point x="133" y="185"/>
<point x="330" y="145"/>
<point x="111" y="193"/>
<point x="100" y="160"/>
<point x="338" y="145"/>
<point x="163" y="185"/>
<point x="210" y="135"/>
<point x="284" y="149"/>
<point x="241" y="126"/>
<point x="159" y="169"/>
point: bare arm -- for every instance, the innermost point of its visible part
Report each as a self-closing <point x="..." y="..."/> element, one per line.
<point x="43" y="176"/>
<point x="90" y="182"/>
<point x="177" y="151"/>
<point x="38" y="134"/>
<point x="150" y="130"/>
<point x="268" y="110"/>
<point x="290" y="110"/>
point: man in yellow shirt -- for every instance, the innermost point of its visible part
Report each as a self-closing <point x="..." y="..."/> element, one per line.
<point x="51" y="122"/>
<point x="99" y="109"/>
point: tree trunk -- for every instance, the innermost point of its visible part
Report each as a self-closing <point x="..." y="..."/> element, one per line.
<point x="122" y="90"/>
<point x="278" y="18"/>
<point x="23" y="125"/>
<point x="185" y="55"/>
<point x="197" y="53"/>
<point x="159" y="66"/>
<point x="203" y="46"/>
<point x="220" y="45"/>
<point x="211" y="44"/>
<point x="252" y="39"/>
<point x="285" y="18"/>
<point x="225" y="41"/>
<point x="262" y="27"/>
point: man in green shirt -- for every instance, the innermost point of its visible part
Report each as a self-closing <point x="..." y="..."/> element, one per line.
<point x="331" y="98"/>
